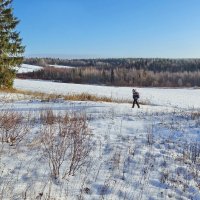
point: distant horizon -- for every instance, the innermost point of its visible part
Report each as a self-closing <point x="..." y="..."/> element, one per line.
<point x="63" y="56"/>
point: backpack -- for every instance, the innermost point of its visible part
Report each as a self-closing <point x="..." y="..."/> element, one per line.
<point x="136" y="95"/>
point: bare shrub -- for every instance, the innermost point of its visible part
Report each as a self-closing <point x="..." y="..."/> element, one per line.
<point x="55" y="148"/>
<point x="191" y="152"/>
<point x="150" y="136"/>
<point x="80" y="143"/>
<point x="66" y="145"/>
<point x="194" y="151"/>
<point x="13" y="127"/>
<point x="115" y="161"/>
<point x="47" y="117"/>
<point x="196" y="116"/>
<point x="164" y="176"/>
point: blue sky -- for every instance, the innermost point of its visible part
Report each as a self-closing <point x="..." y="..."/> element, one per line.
<point x="110" y="28"/>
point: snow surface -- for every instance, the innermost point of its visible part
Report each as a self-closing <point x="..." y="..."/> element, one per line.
<point x="28" y="68"/>
<point x="150" y="153"/>
<point x="61" y="66"/>
<point x="180" y="98"/>
<point x="123" y="165"/>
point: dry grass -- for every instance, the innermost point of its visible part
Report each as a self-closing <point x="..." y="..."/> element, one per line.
<point x="87" y="97"/>
<point x="195" y="115"/>
<point x="12" y="90"/>
<point x="70" y="97"/>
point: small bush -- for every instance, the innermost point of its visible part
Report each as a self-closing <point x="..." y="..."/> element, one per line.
<point x="13" y="127"/>
<point x="66" y="145"/>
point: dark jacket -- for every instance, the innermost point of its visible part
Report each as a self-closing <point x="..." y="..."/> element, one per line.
<point x="136" y="95"/>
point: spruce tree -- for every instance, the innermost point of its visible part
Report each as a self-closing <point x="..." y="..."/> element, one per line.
<point x="11" y="48"/>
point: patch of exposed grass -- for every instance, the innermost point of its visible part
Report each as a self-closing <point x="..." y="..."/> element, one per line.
<point x="195" y="115"/>
<point x="69" y="97"/>
<point x="12" y="90"/>
<point x="88" y="97"/>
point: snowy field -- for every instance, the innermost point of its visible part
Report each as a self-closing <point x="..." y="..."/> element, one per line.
<point x="113" y="152"/>
<point x="28" y="68"/>
<point x="177" y="98"/>
<point x="61" y="66"/>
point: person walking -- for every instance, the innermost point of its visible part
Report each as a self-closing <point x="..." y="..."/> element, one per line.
<point x="136" y="96"/>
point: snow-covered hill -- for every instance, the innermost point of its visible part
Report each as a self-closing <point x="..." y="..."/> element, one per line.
<point x="28" y="68"/>
<point x="61" y="66"/>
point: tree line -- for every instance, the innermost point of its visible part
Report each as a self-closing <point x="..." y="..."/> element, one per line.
<point x="147" y="64"/>
<point x="118" y="76"/>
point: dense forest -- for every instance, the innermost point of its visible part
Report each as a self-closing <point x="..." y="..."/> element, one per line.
<point x="120" y="72"/>
<point x="149" y="64"/>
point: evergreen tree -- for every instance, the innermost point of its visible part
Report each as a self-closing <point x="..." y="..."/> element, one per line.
<point x="11" y="49"/>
